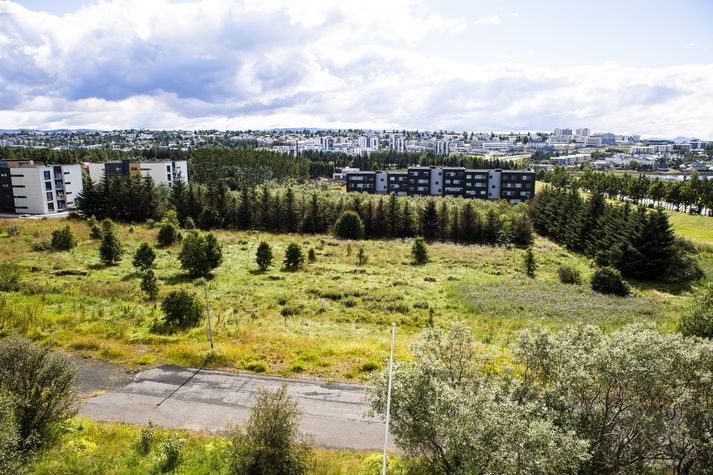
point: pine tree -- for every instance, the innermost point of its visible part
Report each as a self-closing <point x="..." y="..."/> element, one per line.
<point x="429" y="220"/>
<point x="455" y="224"/>
<point x="294" y="259"/>
<point x="149" y="284"/>
<point x="110" y="249"/>
<point x="179" y="200"/>
<point x="394" y="216"/>
<point x="491" y="227"/>
<point x="88" y="200"/>
<point x="144" y="257"/>
<point x="264" y="208"/>
<point x="408" y="227"/>
<point x="419" y="251"/>
<point x="290" y="214"/>
<point x="443" y="221"/>
<point x="263" y="256"/>
<point x="245" y="210"/>
<point x="530" y="263"/>
<point x="379" y="225"/>
<point x="368" y="219"/>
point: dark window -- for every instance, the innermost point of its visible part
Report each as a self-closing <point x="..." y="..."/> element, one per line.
<point x="18" y="186"/>
<point x="47" y="175"/>
<point x="493" y="187"/>
<point x="50" y="197"/>
<point x="50" y="206"/>
<point x="48" y="185"/>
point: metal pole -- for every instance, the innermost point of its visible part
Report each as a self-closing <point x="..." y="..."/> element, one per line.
<point x="388" y="400"/>
<point x="207" y="309"/>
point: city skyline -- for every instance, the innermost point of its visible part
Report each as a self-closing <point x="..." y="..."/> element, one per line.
<point x="397" y="65"/>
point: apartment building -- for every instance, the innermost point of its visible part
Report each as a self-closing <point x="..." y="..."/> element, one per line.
<point x="513" y="185"/>
<point x="38" y="189"/>
<point x="162" y="172"/>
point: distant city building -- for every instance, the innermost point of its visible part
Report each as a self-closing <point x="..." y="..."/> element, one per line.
<point x="442" y="147"/>
<point x="38" y="189"/>
<point x="162" y="172"/>
<point x="369" y="142"/>
<point x="513" y="185"/>
<point x="583" y="132"/>
<point x="397" y="143"/>
<point x="326" y="143"/>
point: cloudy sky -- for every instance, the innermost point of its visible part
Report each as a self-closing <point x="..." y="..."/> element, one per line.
<point x="629" y="66"/>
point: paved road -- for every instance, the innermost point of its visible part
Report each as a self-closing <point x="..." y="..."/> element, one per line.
<point x="213" y="400"/>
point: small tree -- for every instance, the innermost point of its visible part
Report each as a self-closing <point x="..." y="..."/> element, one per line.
<point x="361" y="256"/>
<point x="200" y="254"/>
<point x="167" y="234"/>
<point x="349" y="226"/>
<point x="181" y="309"/>
<point x="530" y="263"/>
<point x="10" y="456"/>
<point x="94" y="230"/>
<point x="698" y="321"/>
<point x="110" y="250"/>
<point x="608" y="280"/>
<point x="63" y="239"/>
<point x="293" y="257"/>
<point x="144" y="257"/>
<point x="569" y="275"/>
<point x="149" y="284"/>
<point x="419" y="251"/>
<point x="311" y="255"/>
<point x="270" y="443"/>
<point x="263" y="257"/>
<point x="41" y="386"/>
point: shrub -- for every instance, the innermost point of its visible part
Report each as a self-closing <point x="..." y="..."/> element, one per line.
<point x="147" y="435"/>
<point x="12" y="230"/>
<point x="149" y="284"/>
<point x="63" y="239"/>
<point x="293" y="257"/>
<point x="569" y="275"/>
<point x="171" y="452"/>
<point x="167" y="235"/>
<point x="349" y="226"/>
<point x="94" y="230"/>
<point x="200" y="254"/>
<point x="9" y="277"/>
<point x="110" y="250"/>
<point x="44" y="245"/>
<point x="40" y="384"/>
<point x="529" y="262"/>
<point x="189" y="223"/>
<point x="608" y="280"/>
<point x="10" y="456"/>
<point x="181" y="309"/>
<point x="263" y="257"/>
<point x="361" y="256"/>
<point x="144" y="257"/>
<point x="419" y="251"/>
<point x="698" y="320"/>
<point x="311" y="255"/>
<point x="270" y="443"/>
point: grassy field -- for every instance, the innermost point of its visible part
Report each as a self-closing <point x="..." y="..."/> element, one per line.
<point x="329" y="320"/>
<point x="695" y="227"/>
<point x="88" y="447"/>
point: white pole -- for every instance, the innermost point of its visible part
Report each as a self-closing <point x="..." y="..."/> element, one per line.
<point x="207" y="309"/>
<point x="388" y="400"/>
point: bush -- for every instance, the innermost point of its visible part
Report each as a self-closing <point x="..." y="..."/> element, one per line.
<point x="10" y="456"/>
<point x="270" y="443"/>
<point x="171" y="452"/>
<point x="189" y="223"/>
<point x="167" y="235"/>
<point x="144" y="257"/>
<point x="311" y="255"/>
<point x="608" y="280"/>
<point x="361" y="256"/>
<point x="44" y="245"/>
<point x="110" y="250"/>
<point x="683" y="266"/>
<point x="263" y="256"/>
<point x="181" y="309"/>
<point x="41" y="387"/>
<point x="698" y="321"/>
<point x="12" y="230"/>
<point x="569" y="275"/>
<point x="147" y="435"/>
<point x="419" y="251"/>
<point x="530" y="263"/>
<point x="9" y="277"/>
<point x="200" y="254"/>
<point x="63" y="239"/>
<point x="293" y="257"/>
<point x="349" y="226"/>
<point x="149" y="284"/>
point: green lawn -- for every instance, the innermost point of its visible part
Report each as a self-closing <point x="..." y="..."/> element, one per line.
<point x="693" y="226"/>
<point x="329" y="320"/>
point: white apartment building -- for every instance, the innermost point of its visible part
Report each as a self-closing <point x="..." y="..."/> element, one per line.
<point x="162" y="172"/>
<point x="39" y="189"/>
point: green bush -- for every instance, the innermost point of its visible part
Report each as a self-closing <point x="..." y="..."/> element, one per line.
<point x="110" y="250"/>
<point x="608" y="280"/>
<point x="419" y="251"/>
<point x="41" y="386"/>
<point x="361" y="256"/>
<point x="144" y="257"/>
<point x="530" y="262"/>
<point x="181" y="309"/>
<point x="12" y="230"/>
<point x="294" y="259"/>
<point x="147" y="436"/>
<point x="698" y="320"/>
<point x="10" y="449"/>
<point x="200" y="254"/>
<point x="171" y="452"/>
<point x="189" y="223"/>
<point x="349" y="226"/>
<point x="43" y="245"/>
<point x="311" y="255"/>
<point x="263" y="256"/>
<point x="569" y="275"/>
<point x="167" y="235"/>
<point x="63" y="239"/>
<point x="149" y="284"/>
<point x="9" y="277"/>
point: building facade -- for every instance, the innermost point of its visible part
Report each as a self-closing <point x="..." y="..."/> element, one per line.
<point x="513" y="185"/>
<point x="39" y="189"/>
<point x="162" y="172"/>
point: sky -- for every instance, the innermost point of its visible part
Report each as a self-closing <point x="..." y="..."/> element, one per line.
<point x="625" y="66"/>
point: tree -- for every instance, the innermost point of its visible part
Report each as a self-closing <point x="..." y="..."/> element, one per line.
<point x="167" y="234"/>
<point x="63" y="239"/>
<point x="263" y="256"/>
<point x="270" y="442"/>
<point x="429" y="220"/>
<point x="349" y="226"/>
<point x="181" y="309"/>
<point x="607" y="280"/>
<point x="200" y="254"/>
<point x="94" y="230"/>
<point x="110" y="249"/>
<point x="530" y="262"/>
<point x="290" y="215"/>
<point x="361" y="256"/>
<point x="698" y="320"/>
<point x="144" y="257"/>
<point x="419" y="251"/>
<point x="41" y="386"/>
<point x="293" y="257"/>
<point x="149" y="284"/>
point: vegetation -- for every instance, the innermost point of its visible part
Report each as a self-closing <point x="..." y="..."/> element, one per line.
<point x="11" y="457"/>
<point x="349" y="226"/>
<point x="270" y="443"/>
<point x="110" y="250"/>
<point x="608" y="281"/>
<point x="144" y="257"/>
<point x="419" y="251"/>
<point x="63" y="239"/>
<point x="181" y="309"/>
<point x="264" y="256"/>
<point x="361" y="256"/>
<point x="294" y="259"/>
<point x="149" y="284"/>
<point x="698" y="320"/>
<point x="167" y="234"/>
<point x="200" y="254"/>
<point x="529" y="262"/>
<point x="569" y="275"/>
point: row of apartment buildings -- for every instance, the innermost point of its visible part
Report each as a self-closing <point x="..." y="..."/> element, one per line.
<point x="28" y="188"/>
<point x="513" y="185"/>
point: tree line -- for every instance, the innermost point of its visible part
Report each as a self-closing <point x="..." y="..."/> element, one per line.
<point x="695" y="192"/>
<point x="637" y="241"/>
<point x="308" y="210"/>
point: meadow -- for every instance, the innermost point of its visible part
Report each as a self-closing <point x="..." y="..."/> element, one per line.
<point x="329" y="320"/>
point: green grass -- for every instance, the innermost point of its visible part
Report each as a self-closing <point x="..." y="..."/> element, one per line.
<point x="329" y="320"/>
<point x="88" y="447"/>
<point x="695" y="227"/>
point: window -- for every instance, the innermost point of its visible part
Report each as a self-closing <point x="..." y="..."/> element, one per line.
<point x="50" y="206"/>
<point x="47" y="175"/>
<point x="168" y="168"/>
<point x="17" y="176"/>
<point x="18" y="196"/>
<point x="50" y="197"/>
<point x="48" y="185"/>
<point x="18" y="186"/>
<point x="492" y="186"/>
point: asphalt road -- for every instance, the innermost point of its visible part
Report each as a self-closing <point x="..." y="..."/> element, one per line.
<point x="333" y="414"/>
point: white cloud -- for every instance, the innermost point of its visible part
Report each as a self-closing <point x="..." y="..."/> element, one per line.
<point x="260" y="64"/>
<point x="488" y="20"/>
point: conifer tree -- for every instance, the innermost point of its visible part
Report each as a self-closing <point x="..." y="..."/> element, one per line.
<point x="443" y="221"/>
<point x="491" y="227"/>
<point x="290" y="213"/>
<point x="179" y="200"/>
<point x="263" y="256"/>
<point x="429" y="220"/>
<point x="394" y="227"/>
<point x="379" y="225"/>
<point x="407" y="221"/>
<point x="110" y="249"/>
<point x="264" y="208"/>
<point x="245" y="210"/>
